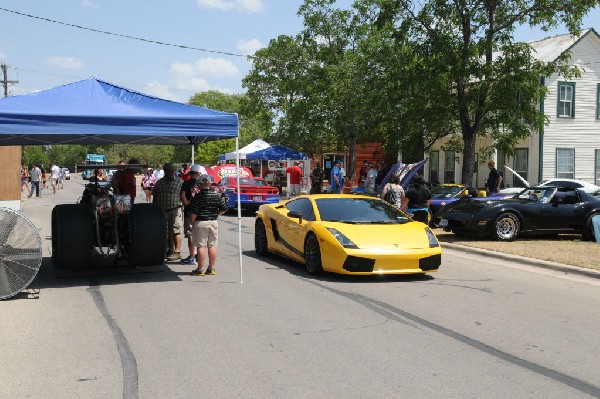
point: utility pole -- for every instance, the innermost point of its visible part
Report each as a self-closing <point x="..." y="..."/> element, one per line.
<point x="5" y="81"/>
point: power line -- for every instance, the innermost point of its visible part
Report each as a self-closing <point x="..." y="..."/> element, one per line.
<point x="126" y="36"/>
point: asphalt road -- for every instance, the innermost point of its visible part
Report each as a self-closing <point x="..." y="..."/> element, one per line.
<point x="479" y="328"/>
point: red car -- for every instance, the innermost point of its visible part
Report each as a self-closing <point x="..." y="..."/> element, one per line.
<point x="254" y="191"/>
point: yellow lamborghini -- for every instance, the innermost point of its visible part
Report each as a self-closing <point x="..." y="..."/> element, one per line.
<point x="347" y="234"/>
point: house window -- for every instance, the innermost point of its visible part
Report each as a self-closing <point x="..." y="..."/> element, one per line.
<point x="565" y="163"/>
<point x="566" y="100"/>
<point x="597" y="182"/>
<point x="449" y="166"/>
<point x="434" y="167"/>
<point x="520" y="166"/>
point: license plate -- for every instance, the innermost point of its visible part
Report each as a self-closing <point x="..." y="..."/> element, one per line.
<point x="257" y="198"/>
<point x="443" y="223"/>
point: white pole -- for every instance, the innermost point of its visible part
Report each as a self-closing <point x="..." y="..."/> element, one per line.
<point x="239" y="207"/>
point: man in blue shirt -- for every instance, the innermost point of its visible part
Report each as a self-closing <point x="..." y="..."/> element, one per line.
<point x="337" y="180"/>
<point x="494" y="179"/>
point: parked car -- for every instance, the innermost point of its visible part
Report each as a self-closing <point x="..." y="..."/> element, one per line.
<point x="445" y="194"/>
<point x="571" y="184"/>
<point x="346" y="234"/>
<point x="254" y="191"/>
<point x="535" y="210"/>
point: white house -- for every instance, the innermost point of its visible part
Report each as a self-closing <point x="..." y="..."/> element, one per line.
<point x="569" y="146"/>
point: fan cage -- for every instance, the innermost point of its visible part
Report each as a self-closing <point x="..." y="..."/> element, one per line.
<point x="20" y="252"/>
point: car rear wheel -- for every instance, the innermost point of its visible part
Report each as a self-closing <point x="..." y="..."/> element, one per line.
<point x="260" y="239"/>
<point x="72" y="236"/>
<point x="147" y="235"/>
<point x="506" y="227"/>
<point x="312" y="255"/>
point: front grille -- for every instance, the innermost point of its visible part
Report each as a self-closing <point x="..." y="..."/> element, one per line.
<point x="430" y="263"/>
<point x="356" y="264"/>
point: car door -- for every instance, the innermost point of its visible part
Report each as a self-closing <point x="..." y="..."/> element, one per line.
<point x="559" y="214"/>
<point x="293" y="230"/>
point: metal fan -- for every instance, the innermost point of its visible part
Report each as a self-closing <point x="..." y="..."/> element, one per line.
<point x="20" y="252"/>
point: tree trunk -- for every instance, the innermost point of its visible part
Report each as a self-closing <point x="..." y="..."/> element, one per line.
<point x="468" y="166"/>
<point x="352" y="161"/>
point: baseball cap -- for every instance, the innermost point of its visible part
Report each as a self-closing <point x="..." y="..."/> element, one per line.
<point x="195" y="168"/>
<point x="338" y="161"/>
<point x="205" y="179"/>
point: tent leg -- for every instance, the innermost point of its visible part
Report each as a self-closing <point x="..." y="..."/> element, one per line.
<point x="239" y="207"/>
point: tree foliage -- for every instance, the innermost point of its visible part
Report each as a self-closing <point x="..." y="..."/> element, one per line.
<point x="492" y="82"/>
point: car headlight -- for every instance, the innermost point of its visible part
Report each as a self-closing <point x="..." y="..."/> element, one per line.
<point x="433" y="242"/>
<point x="345" y="241"/>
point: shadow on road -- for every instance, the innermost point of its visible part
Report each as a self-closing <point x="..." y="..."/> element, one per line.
<point x="298" y="269"/>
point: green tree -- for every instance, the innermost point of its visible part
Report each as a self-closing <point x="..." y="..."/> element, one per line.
<point x="492" y="82"/>
<point x="252" y="125"/>
<point x="34" y="154"/>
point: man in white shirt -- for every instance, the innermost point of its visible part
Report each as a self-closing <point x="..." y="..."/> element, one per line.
<point x="159" y="173"/>
<point x="55" y="177"/>
<point x="370" y="181"/>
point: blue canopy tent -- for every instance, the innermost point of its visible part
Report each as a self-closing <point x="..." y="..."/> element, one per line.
<point x="93" y="111"/>
<point x="277" y="153"/>
<point x="96" y="112"/>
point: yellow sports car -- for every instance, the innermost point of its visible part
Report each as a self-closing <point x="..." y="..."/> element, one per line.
<point x="347" y="234"/>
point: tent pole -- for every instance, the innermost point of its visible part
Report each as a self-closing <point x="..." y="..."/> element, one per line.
<point x="239" y="207"/>
<point x="193" y="153"/>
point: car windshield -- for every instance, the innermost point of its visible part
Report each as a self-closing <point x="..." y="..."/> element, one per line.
<point x="359" y="211"/>
<point x="252" y="182"/>
<point x="445" y="191"/>
<point x="540" y="194"/>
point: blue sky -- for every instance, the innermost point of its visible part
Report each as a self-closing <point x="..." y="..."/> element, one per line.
<point x="43" y="54"/>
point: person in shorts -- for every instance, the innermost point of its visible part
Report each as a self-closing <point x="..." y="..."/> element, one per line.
<point x="167" y="194"/>
<point x="188" y="190"/>
<point x="205" y="208"/>
<point x="54" y="177"/>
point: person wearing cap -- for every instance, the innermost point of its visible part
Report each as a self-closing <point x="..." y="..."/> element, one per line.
<point x="148" y="184"/>
<point x="188" y="190"/>
<point x="337" y="178"/>
<point x="295" y="179"/>
<point x="205" y="208"/>
<point x="167" y="194"/>
<point x="370" y="180"/>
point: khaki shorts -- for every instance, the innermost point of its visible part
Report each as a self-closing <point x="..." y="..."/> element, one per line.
<point x="188" y="230"/>
<point x="174" y="219"/>
<point x="206" y="234"/>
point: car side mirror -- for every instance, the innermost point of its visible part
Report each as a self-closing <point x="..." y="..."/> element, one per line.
<point x="295" y="214"/>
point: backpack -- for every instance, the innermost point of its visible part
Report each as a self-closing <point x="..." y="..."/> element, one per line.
<point x="390" y="195"/>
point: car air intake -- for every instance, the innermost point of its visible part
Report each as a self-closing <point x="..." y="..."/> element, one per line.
<point x="430" y="263"/>
<point x="356" y="264"/>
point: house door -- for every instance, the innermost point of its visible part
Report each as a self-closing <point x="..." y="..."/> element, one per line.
<point x="329" y="162"/>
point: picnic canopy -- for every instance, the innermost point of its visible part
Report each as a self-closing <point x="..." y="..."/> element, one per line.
<point x="256" y="145"/>
<point x="277" y="153"/>
<point x="93" y="111"/>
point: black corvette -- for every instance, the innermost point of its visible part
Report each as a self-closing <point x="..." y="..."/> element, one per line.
<point x="535" y="210"/>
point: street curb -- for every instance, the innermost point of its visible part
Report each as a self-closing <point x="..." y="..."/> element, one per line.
<point x="567" y="269"/>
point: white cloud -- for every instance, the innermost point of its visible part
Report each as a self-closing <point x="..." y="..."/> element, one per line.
<point x="249" y="47"/>
<point x="66" y="62"/>
<point x="206" y="68"/>
<point x="89" y="4"/>
<point x="160" y="90"/>
<point x="2" y="56"/>
<point x="228" y="5"/>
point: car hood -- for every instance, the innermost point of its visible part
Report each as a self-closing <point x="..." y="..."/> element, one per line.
<point x="383" y="237"/>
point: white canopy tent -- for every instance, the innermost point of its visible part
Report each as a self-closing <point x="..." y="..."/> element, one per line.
<point x="256" y="145"/>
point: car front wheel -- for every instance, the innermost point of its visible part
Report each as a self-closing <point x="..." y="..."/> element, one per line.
<point x="260" y="239"/>
<point x="312" y="255"/>
<point x="506" y="227"/>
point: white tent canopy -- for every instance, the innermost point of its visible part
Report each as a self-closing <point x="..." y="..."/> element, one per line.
<point x="256" y="145"/>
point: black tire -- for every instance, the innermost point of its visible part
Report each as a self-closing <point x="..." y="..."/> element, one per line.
<point x="312" y="255"/>
<point x="506" y="227"/>
<point x="72" y="236"/>
<point x="588" y="232"/>
<point x="147" y="244"/>
<point x="260" y="239"/>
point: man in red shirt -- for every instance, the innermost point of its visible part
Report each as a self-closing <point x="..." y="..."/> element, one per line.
<point x="295" y="174"/>
<point x="124" y="182"/>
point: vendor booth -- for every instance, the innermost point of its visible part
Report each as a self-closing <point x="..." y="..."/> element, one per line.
<point x="275" y="159"/>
